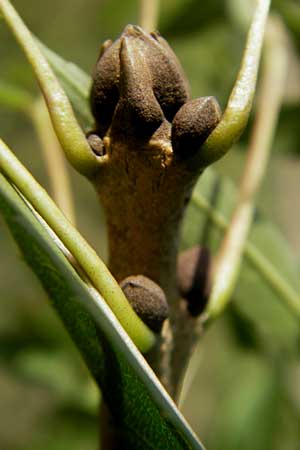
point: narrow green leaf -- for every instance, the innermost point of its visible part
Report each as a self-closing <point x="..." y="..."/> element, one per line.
<point x="67" y="129"/>
<point x="143" y="411"/>
<point x="75" y="82"/>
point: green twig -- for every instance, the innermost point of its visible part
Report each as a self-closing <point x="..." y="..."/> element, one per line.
<point x="238" y="109"/>
<point x="228" y="260"/>
<point x="95" y="270"/>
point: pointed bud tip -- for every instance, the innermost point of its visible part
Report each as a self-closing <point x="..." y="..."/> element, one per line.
<point x="133" y="30"/>
<point x="147" y="58"/>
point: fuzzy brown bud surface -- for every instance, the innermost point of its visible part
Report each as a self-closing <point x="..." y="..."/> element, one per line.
<point x="192" y="125"/>
<point x="139" y="80"/>
<point x="147" y="299"/>
<point x="193" y="277"/>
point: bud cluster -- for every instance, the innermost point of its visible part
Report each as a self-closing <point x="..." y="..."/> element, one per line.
<point x="139" y="85"/>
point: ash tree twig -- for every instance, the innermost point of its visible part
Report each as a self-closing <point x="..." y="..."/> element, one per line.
<point x="150" y="140"/>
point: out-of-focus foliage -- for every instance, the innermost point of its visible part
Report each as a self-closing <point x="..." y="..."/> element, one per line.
<point x="246" y="392"/>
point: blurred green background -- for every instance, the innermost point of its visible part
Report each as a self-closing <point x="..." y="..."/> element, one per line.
<point x="246" y="391"/>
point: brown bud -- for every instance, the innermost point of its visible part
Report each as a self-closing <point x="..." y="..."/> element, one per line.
<point x="147" y="299"/>
<point x="193" y="278"/>
<point x="169" y="81"/>
<point x="140" y="77"/>
<point x="106" y="44"/>
<point x="96" y="144"/>
<point x="192" y="125"/>
<point x="138" y="112"/>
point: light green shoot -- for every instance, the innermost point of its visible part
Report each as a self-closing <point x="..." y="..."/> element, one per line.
<point x="238" y="109"/>
<point x="228" y="260"/>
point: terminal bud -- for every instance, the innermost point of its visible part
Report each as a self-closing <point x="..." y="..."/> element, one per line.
<point x="137" y="83"/>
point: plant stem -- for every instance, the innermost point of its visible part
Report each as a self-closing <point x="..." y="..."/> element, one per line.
<point x="238" y="109"/>
<point x="148" y="14"/>
<point x="229" y="257"/>
<point x="54" y="160"/>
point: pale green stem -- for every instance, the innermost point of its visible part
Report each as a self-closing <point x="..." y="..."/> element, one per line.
<point x="272" y="277"/>
<point x="54" y="160"/>
<point x="69" y="133"/>
<point x="148" y="14"/>
<point x="238" y="109"/>
<point x="95" y="270"/>
<point x="229" y="257"/>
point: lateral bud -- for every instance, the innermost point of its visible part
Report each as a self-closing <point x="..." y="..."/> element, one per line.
<point x="147" y="299"/>
<point x="96" y="144"/>
<point x="192" y="125"/>
<point x="193" y="278"/>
